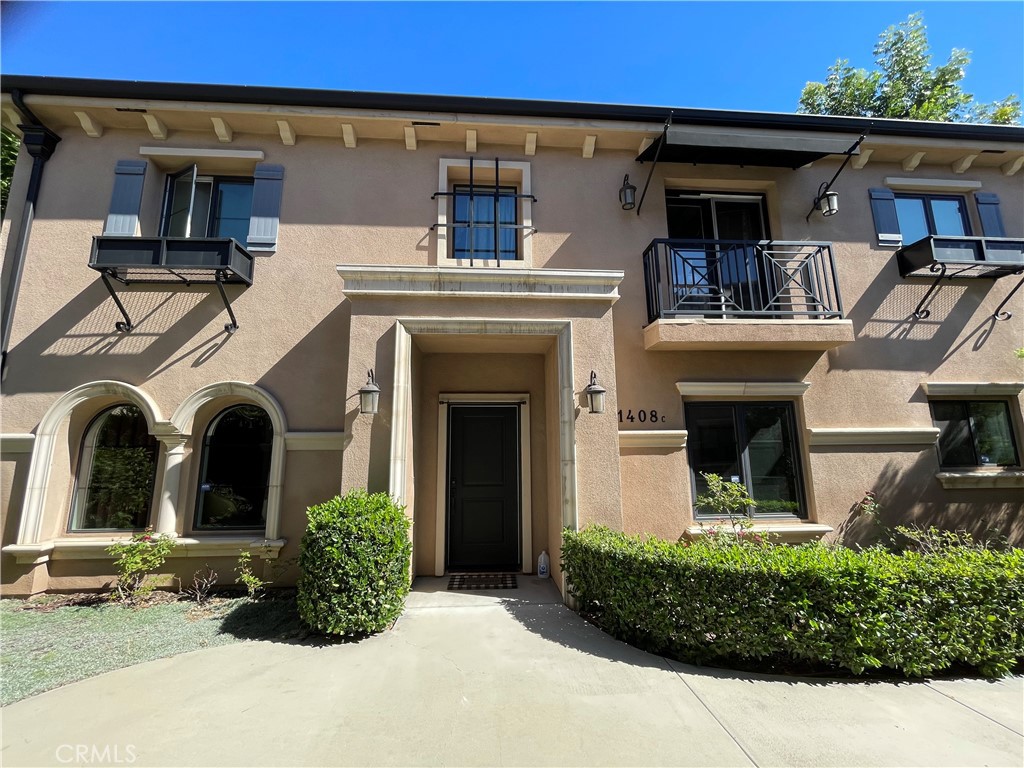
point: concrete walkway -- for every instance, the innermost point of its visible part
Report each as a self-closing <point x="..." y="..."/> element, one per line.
<point x="499" y="678"/>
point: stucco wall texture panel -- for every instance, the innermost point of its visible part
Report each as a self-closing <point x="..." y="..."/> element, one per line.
<point x="309" y="344"/>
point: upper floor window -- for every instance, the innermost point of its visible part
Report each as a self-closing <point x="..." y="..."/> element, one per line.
<point x="207" y="206"/>
<point x="117" y="467"/>
<point x="486" y="222"/>
<point x="974" y="433"/>
<point x="902" y="218"/>
<point x="245" y="205"/>
<point x="920" y="215"/>
<point x="484" y="213"/>
<point x="716" y="216"/>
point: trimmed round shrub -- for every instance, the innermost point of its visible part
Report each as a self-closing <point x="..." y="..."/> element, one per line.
<point x="354" y="564"/>
<point x="813" y="604"/>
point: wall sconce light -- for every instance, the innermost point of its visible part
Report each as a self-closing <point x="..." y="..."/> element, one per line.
<point x="827" y="202"/>
<point x="627" y="195"/>
<point x="595" y="395"/>
<point x="369" y="395"/>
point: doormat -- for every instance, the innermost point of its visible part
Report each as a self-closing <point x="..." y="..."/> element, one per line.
<point x="482" y="581"/>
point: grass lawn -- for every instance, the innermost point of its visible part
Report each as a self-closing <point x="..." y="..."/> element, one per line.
<point x="45" y="644"/>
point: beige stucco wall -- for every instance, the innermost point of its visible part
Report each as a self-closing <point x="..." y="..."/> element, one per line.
<point x="309" y="346"/>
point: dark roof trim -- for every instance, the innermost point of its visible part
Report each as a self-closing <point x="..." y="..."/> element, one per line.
<point x="307" y="97"/>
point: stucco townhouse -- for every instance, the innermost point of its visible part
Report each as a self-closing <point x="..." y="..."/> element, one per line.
<point x="223" y="304"/>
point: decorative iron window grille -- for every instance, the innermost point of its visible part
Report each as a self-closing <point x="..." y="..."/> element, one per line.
<point x="484" y="219"/>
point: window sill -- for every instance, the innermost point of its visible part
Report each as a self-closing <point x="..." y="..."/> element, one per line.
<point x="787" y="533"/>
<point x="981" y="478"/>
<point x="96" y="549"/>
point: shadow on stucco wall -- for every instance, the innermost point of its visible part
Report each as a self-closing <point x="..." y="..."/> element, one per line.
<point x="79" y="343"/>
<point x="310" y="376"/>
<point x="890" y="336"/>
<point x="914" y="496"/>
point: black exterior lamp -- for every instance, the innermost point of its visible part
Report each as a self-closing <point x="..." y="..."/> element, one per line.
<point x="627" y="195"/>
<point x="595" y="394"/>
<point x="369" y="395"/>
<point x="827" y="201"/>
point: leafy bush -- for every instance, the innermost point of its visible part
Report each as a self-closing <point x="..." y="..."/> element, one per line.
<point x="135" y="560"/>
<point x="354" y="564"/>
<point x="915" y="612"/>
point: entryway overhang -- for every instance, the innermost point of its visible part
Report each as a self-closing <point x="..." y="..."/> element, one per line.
<point x="788" y="149"/>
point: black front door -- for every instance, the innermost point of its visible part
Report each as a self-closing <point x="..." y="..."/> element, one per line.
<point x="483" y="487"/>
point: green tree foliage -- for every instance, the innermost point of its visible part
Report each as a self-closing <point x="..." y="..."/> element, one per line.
<point x="905" y="86"/>
<point x="9" y="144"/>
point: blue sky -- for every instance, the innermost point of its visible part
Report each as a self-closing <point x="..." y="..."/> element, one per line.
<point x="728" y="55"/>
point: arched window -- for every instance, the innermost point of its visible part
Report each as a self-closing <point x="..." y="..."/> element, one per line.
<point x="235" y="470"/>
<point x="116" y="470"/>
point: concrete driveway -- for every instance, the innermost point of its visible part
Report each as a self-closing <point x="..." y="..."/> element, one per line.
<point x="499" y="678"/>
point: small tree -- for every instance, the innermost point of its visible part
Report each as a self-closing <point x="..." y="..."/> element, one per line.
<point x="905" y="86"/>
<point x="727" y="499"/>
<point x="135" y="560"/>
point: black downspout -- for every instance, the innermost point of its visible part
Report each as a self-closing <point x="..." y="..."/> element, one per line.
<point x="40" y="142"/>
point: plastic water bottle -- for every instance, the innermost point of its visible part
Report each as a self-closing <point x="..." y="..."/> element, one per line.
<point x="544" y="565"/>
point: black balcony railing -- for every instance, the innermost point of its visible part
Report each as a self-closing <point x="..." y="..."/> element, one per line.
<point x="174" y="259"/>
<point x="991" y="257"/>
<point x="741" y="279"/>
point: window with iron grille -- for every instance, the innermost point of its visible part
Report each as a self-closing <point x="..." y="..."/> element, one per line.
<point x="484" y="213"/>
<point x="486" y="222"/>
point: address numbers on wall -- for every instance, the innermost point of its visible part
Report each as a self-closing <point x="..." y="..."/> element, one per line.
<point x="642" y="416"/>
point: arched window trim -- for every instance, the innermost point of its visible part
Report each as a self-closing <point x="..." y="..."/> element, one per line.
<point x="184" y="415"/>
<point x="204" y="461"/>
<point x="83" y="473"/>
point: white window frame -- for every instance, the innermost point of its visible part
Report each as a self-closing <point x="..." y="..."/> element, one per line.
<point x="454" y="171"/>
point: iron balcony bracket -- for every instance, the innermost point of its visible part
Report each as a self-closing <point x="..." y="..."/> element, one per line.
<point x="126" y="326"/>
<point x="999" y="314"/>
<point x="122" y="327"/>
<point x="233" y="325"/>
<point x="920" y="312"/>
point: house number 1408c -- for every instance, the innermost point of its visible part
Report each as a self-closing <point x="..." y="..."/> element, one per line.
<point x="642" y="416"/>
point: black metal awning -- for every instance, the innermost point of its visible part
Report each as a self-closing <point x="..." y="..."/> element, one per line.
<point x="685" y="144"/>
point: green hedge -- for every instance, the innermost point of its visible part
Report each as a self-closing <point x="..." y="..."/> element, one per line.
<point x="354" y="564"/>
<point x="810" y="604"/>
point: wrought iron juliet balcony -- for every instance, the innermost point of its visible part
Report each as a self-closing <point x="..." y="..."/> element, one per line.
<point x="736" y="279"/>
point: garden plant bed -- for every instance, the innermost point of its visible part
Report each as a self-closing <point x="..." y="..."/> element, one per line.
<point x="52" y="640"/>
